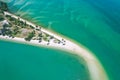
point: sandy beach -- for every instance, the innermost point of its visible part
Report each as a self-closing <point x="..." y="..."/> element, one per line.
<point x="95" y="68"/>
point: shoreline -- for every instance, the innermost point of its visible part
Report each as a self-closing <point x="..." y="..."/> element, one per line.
<point x="95" y="68"/>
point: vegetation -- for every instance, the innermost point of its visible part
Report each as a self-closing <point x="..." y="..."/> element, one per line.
<point x="16" y="30"/>
<point x="8" y="16"/>
<point x="46" y="37"/>
<point x="32" y="27"/>
<point x="1" y="15"/>
<point x="19" y="28"/>
<point x="1" y="19"/>
<point x="40" y="35"/>
<point x="30" y="36"/>
<point x="4" y="6"/>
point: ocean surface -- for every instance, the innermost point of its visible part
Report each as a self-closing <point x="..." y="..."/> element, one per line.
<point x="93" y="23"/>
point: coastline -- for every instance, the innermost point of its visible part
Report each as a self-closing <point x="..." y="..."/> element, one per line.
<point x="95" y="69"/>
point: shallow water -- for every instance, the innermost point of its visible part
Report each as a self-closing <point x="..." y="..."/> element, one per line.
<point x="93" y="23"/>
<point x="25" y="62"/>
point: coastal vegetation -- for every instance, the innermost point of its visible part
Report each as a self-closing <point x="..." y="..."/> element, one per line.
<point x="3" y="6"/>
<point x="30" y="36"/>
<point x="14" y="26"/>
<point x="17" y="28"/>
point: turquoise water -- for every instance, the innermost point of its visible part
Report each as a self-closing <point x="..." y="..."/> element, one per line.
<point x="93" y="23"/>
<point x="25" y="62"/>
